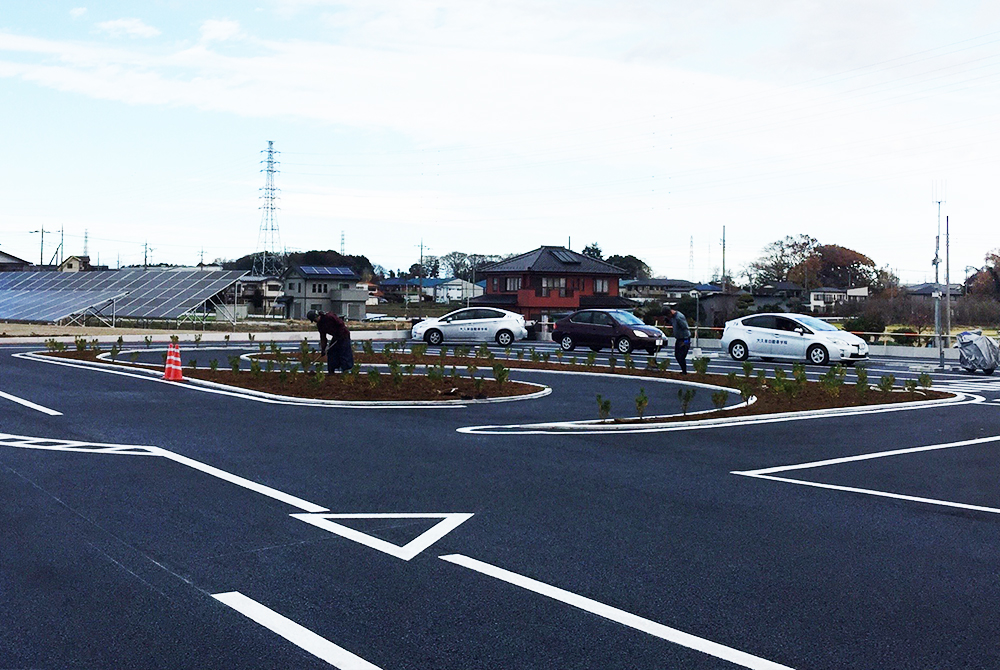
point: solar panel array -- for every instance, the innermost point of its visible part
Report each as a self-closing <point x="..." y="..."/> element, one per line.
<point x="326" y="270"/>
<point x="565" y="256"/>
<point x="137" y="294"/>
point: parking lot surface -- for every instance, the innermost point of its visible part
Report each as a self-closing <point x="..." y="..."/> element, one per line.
<point x="148" y="524"/>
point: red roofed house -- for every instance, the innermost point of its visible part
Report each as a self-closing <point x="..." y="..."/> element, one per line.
<point x="552" y="280"/>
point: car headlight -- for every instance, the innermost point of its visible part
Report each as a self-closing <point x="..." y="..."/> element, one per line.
<point x="639" y="333"/>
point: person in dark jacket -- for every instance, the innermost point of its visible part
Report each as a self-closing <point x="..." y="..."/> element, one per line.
<point x="339" y="355"/>
<point x="682" y="334"/>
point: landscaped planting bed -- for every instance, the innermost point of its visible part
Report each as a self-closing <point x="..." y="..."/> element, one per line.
<point x="466" y="372"/>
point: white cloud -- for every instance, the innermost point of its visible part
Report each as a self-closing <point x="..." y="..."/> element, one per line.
<point x="77" y="12"/>
<point x="127" y="28"/>
<point x="219" y="30"/>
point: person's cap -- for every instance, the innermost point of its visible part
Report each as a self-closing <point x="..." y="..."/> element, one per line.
<point x="311" y="315"/>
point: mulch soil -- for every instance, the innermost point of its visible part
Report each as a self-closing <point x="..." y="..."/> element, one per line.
<point x="457" y="384"/>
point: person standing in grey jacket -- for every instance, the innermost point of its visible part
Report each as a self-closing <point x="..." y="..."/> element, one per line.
<point x="682" y="335"/>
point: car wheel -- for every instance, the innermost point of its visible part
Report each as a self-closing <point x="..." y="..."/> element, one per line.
<point x="624" y="346"/>
<point x="593" y="348"/>
<point x="988" y="371"/>
<point x="738" y="351"/>
<point x="567" y="343"/>
<point x="505" y="338"/>
<point x="434" y="337"/>
<point x="818" y="355"/>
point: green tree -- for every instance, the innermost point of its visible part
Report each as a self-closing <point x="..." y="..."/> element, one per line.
<point x="594" y="251"/>
<point x="635" y="268"/>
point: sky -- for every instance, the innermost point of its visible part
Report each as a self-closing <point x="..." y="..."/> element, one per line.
<point x="137" y="130"/>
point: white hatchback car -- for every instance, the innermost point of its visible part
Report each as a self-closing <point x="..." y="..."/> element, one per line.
<point x="477" y="324"/>
<point x="791" y="336"/>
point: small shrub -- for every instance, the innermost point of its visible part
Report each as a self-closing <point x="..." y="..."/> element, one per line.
<point x="483" y="351"/>
<point x="799" y="372"/>
<point x="213" y="364"/>
<point x="572" y="360"/>
<point x="368" y="348"/>
<point x="685" y="395"/>
<point x="641" y="402"/>
<point x="700" y="365"/>
<point x="193" y="363"/>
<point x="886" y="383"/>
<point x="612" y="362"/>
<point x="591" y="359"/>
<point x="664" y="364"/>
<point x="501" y="374"/>
<point x="520" y="354"/>
<point x="925" y="380"/>
<point x="197" y="340"/>
<point x="603" y="407"/>
<point x="651" y="363"/>
<point x="719" y="398"/>
<point x="225" y="337"/>
<point x="255" y="370"/>
<point x="833" y="379"/>
<point x="234" y="364"/>
<point x="747" y="369"/>
<point x="175" y="339"/>
<point x="134" y="356"/>
<point x="419" y="351"/>
<point x="861" y="385"/>
<point x="269" y="366"/>
<point x="374" y="378"/>
<point x="506" y="352"/>
<point x="81" y="343"/>
<point x="477" y="383"/>
<point x="318" y="378"/>
<point x="545" y="357"/>
<point x="910" y="385"/>
<point x="148" y="339"/>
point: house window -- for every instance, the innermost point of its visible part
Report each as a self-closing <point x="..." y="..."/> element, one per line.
<point x="554" y="284"/>
<point x="601" y="286"/>
<point x="274" y="287"/>
<point x="512" y="284"/>
<point x="496" y="284"/>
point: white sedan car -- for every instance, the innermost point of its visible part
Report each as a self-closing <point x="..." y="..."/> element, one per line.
<point x="473" y="324"/>
<point x="791" y="336"/>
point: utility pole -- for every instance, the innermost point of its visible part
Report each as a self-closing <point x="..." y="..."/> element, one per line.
<point x="947" y="284"/>
<point x="937" y="282"/>
<point x="420" y="274"/>
<point x="146" y="250"/>
<point x="724" y="260"/>
<point x="41" y="251"/>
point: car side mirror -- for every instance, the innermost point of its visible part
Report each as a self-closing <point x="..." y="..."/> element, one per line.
<point x="800" y="331"/>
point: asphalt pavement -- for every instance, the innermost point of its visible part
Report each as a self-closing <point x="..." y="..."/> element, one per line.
<point x="148" y="524"/>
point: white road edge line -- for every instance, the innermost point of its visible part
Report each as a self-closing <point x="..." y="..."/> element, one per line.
<point x="28" y="403"/>
<point x="298" y="635"/>
<point x="619" y="616"/>
<point x="871" y="492"/>
<point x="864" y="457"/>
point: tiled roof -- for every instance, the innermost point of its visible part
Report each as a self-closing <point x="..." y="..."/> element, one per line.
<point x="556" y="260"/>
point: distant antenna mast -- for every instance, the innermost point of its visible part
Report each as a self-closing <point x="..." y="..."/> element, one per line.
<point x="691" y="259"/>
<point x="86" y="233"/>
<point x="267" y="259"/>
<point x="341" y="243"/>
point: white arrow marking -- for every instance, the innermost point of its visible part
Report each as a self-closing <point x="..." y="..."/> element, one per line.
<point x="448" y="523"/>
<point x="298" y="635"/>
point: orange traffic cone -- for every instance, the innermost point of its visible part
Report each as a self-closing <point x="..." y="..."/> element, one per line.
<point x="172" y="372"/>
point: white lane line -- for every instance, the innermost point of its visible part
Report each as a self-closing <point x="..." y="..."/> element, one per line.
<point x="619" y="616"/>
<point x="240" y="481"/>
<point x="448" y="523"/>
<point x="28" y="403"/>
<point x="864" y="457"/>
<point x="880" y="494"/>
<point x="298" y="635"/>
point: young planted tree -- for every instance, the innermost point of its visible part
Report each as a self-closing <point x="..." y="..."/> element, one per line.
<point x="719" y="398"/>
<point x="700" y="365"/>
<point x="641" y="402"/>
<point x="685" y="395"/>
<point x="603" y="407"/>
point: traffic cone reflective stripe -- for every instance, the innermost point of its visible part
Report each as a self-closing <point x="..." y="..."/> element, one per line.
<point x="172" y="371"/>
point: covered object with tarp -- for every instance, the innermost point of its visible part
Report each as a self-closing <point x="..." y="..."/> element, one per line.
<point x="49" y="297"/>
<point x="977" y="352"/>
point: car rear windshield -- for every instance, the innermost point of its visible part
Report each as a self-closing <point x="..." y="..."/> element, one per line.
<point x="627" y="318"/>
<point x="815" y="324"/>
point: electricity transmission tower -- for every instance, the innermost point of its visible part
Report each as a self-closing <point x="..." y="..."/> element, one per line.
<point x="267" y="260"/>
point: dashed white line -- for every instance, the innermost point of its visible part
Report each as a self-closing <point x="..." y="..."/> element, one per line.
<point x="28" y="403"/>
<point x="667" y="633"/>
<point x="298" y="635"/>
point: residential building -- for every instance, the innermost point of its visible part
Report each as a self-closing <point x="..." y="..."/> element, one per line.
<point x="451" y="289"/>
<point x="323" y="288"/>
<point x="551" y="281"/>
<point x="260" y="294"/>
<point x="75" y="264"/>
<point x="784" y="295"/>
<point x="10" y="263"/>
<point x="926" y="291"/>
<point x="826" y="299"/>
<point x="659" y="290"/>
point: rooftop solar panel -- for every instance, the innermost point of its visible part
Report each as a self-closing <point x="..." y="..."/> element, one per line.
<point x="326" y="270"/>
<point x="565" y="256"/>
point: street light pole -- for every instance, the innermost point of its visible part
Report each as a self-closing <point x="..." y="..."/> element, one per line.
<point x="697" y="314"/>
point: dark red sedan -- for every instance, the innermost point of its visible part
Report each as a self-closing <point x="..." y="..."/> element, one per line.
<point x="604" y="328"/>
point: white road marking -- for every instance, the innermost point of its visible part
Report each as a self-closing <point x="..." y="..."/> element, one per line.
<point x="298" y="635"/>
<point x="28" y="403"/>
<point x="619" y="616"/>
<point x="865" y="457"/>
<point x="448" y="523"/>
<point x="880" y="494"/>
<point x="44" y="444"/>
